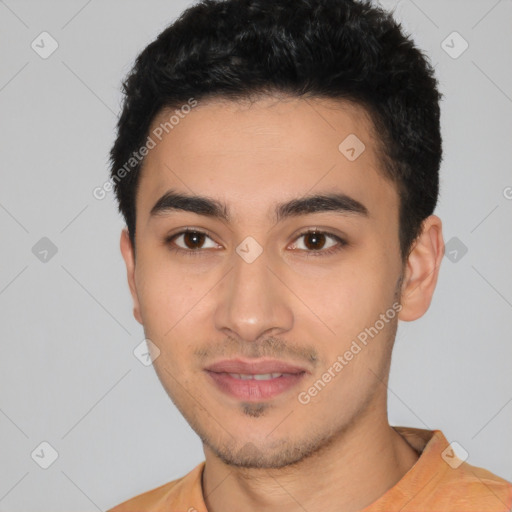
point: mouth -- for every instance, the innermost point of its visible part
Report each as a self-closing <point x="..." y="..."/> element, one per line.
<point x="254" y="380"/>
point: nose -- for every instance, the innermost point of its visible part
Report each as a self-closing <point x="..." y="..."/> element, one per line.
<point x="253" y="302"/>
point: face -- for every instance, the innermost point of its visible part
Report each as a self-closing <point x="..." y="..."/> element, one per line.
<point x="274" y="313"/>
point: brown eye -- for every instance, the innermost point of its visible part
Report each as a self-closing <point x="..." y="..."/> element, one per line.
<point x="314" y="241"/>
<point x="318" y="243"/>
<point x="191" y="240"/>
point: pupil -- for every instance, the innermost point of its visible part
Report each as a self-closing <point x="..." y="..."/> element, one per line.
<point x="198" y="238"/>
<point x="315" y="238"/>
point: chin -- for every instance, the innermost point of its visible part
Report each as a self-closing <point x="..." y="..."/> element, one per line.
<point x="264" y="453"/>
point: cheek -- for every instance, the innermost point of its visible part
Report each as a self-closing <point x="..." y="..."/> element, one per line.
<point x="155" y="300"/>
<point x="173" y="307"/>
<point x="347" y="304"/>
<point x="346" y="297"/>
<point x="163" y="296"/>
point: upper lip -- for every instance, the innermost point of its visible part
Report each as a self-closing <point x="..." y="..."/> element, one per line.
<point x="254" y="367"/>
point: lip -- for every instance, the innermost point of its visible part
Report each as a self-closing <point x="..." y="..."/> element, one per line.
<point x="253" y="390"/>
<point x="253" y="367"/>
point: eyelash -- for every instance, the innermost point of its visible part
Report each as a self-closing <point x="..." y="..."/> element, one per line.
<point x="197" y="252"/>
<point x="327" y="252"/>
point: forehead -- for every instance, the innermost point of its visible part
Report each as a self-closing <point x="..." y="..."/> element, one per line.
<point x="254" y="154"/>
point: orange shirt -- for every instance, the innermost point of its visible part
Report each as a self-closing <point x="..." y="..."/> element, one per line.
<point x="438" y="482"/>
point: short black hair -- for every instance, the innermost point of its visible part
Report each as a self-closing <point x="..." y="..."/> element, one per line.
<point x="336" y="49"/>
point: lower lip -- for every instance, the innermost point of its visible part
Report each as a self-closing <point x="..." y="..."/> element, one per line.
<point x="253" y="390"/>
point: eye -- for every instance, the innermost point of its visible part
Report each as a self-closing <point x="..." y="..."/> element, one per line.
<point x="190" y="241"/>
<point x="317" y="243"/>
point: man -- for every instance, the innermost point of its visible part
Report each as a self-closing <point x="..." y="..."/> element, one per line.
<point x="277" y="167"/>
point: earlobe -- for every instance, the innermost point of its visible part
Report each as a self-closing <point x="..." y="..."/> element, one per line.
<point x="422" y="270"/>
<point x="129" y="258"/>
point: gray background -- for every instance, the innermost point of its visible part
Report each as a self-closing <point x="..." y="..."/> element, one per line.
<point x="68" y="375"/>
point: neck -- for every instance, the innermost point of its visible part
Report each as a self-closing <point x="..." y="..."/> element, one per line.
<point x="353" y="471"/>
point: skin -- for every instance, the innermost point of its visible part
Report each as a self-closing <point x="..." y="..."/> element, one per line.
<point x="201" y="307"/>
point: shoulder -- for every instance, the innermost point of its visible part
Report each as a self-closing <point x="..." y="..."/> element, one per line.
<point x="443" y="482"/>
<point x="148" y="500"/>
<point x="472" y="488"/>
<point x="182" y="493"/>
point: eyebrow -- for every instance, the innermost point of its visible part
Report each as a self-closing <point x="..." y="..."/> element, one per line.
<point x="173" y="201"/>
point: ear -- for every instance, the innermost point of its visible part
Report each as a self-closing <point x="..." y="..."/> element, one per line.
<point x="129" y="259"/>
<point x="422" y="270"/>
